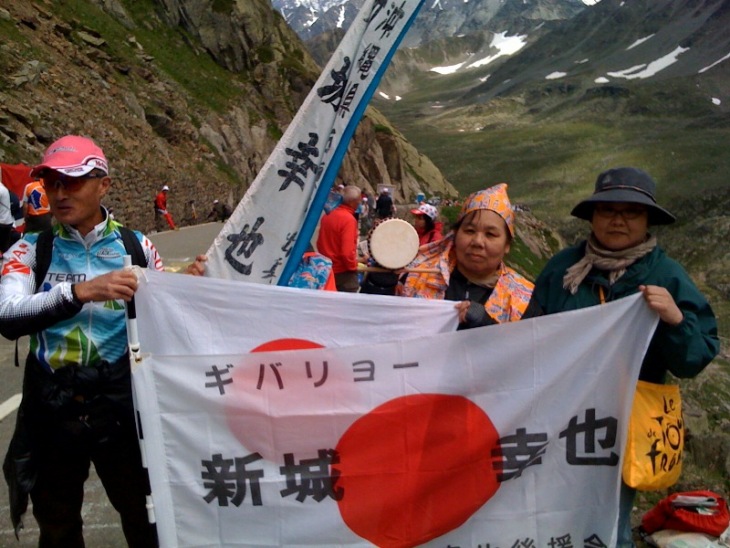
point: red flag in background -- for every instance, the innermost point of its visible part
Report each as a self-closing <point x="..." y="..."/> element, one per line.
<point x="15" y="177"/>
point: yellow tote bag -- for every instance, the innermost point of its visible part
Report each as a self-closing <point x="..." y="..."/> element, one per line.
<point x="653" y="458"/>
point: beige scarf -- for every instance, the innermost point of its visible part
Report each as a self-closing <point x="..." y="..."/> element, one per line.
<point x="615" y="262"/>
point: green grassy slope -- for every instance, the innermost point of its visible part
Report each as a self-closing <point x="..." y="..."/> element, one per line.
<point x="549" y="145"/>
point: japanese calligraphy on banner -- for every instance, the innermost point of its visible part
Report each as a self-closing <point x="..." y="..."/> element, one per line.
<point x="509" y="435"/>
<point x="264" y="239"/>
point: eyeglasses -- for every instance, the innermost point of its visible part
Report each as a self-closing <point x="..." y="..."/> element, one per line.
<point x="53" y="180"/>
<point x="609" y="211"/>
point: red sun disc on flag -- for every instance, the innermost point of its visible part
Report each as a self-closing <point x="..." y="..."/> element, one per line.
<point x="415" y="468"/>
<point x="286" y="344"/>
<point x="276" y="408"/>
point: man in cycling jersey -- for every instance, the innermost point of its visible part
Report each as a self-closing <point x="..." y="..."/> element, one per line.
<point x="77" y="400"/>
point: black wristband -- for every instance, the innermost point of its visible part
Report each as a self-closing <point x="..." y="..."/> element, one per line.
<point x="75" y="296"/>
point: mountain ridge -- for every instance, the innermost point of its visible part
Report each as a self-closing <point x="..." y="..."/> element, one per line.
<point x="436" y="19"/>
<point x="618" y="41"/>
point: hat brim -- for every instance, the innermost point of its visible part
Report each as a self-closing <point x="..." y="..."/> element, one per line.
<point x="69" y="171"/>
<point x="657" y="215"/>
<point x="417" y="212"/>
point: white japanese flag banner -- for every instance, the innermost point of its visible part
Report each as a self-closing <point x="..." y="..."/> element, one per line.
<point x="264" y="239"/>
<point x="508" y="435"/>
<point x="183" y="315"/>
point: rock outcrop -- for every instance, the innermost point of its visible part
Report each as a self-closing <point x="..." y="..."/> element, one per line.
<point x="186" y="94"/>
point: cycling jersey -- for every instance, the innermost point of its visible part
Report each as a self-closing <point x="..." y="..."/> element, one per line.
<point x="64" y="331"/>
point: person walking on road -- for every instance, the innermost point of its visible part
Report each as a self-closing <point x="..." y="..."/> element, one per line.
<point x="161" y="212"/>
<point x="66" y="288"/>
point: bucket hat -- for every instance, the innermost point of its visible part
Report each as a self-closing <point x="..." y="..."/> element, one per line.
<point x="625" y="185"/>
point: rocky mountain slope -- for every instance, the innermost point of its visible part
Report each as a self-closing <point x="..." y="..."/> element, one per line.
<point x="183" y="93"/>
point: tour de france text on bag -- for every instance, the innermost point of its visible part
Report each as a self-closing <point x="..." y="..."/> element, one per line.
<point x="655" y="441"/>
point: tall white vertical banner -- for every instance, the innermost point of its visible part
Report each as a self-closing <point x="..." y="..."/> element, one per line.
<point x="508" y="435"/>
<point x="265" y="237"/>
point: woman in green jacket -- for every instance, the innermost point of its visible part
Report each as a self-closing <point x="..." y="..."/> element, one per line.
<point x="620" y="258"/>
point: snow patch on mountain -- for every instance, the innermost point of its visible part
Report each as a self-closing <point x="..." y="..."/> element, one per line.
<point x="639" y="41"/>
<point x="708" y="67"/>
<point x="650" y="69"/>
<point x="505" y="45"/>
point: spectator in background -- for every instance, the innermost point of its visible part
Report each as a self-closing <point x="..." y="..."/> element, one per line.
<point x="220" y="212"/>
<point x="365" y="219"/>
<point x="161" y="213"/>
<point x="384" y="205"/>
<point x="36" y="211"/>
<point x="17" y="209"/>
<point x="337" y="240"/>
<point x="191" y="214"/>
<point x="426" y="223"/>
<point x="19" y="224"/>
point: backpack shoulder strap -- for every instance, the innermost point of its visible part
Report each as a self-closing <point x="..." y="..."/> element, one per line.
<point x="133" y="247"/>
<point x="43" y="252"/>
